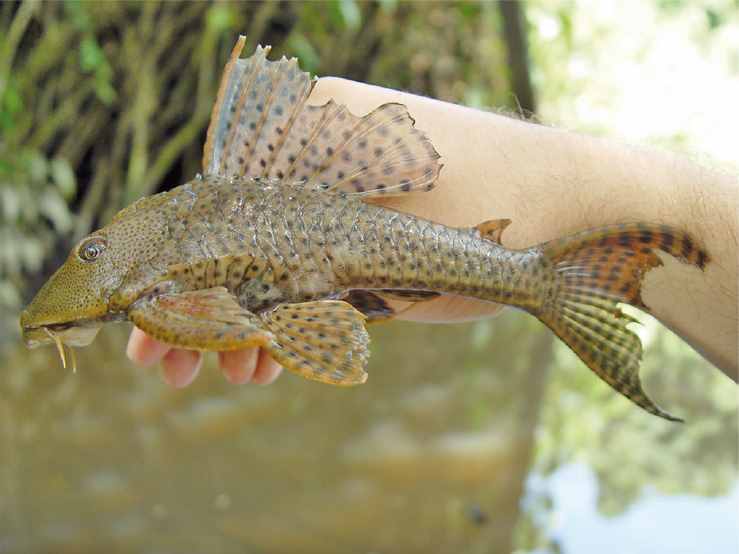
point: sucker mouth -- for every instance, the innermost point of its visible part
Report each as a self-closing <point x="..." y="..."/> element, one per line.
<point x="70" y="333"/>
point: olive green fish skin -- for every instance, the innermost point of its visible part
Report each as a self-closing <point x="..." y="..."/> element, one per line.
<point x="271" y="243"/>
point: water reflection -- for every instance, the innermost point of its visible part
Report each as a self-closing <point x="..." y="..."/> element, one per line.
<point x="431" y="455"/>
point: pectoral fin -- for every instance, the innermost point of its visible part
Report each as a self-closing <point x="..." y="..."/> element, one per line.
<point x="324" y="341"/>
<point x="209" y="319"/>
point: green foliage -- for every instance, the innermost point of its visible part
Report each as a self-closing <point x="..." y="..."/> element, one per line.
<point x="33" y="211"/>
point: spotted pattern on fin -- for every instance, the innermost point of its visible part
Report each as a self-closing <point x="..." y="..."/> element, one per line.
<point x="208" y="319"/>
<point x="611" y="261"/>
<point x="595" y="271"/>
<point x="324" y="341"/>
<point x="262" y="127"/>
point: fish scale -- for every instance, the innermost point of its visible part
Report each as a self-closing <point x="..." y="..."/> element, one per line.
<point x="462" y="256"/>
<point x="275" y="247"/>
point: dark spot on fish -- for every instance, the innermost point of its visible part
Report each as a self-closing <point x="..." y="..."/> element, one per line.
<point x="329" y="151"/>
<point x="303" y="141"/>
<point x="252" y="126"/>
<point x="702" y="259"/>
<point x="278" y="110"/>
<point x="645" y="237"/>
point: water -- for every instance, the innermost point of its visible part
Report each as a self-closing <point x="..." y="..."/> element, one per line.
<point x="468" y="438"/>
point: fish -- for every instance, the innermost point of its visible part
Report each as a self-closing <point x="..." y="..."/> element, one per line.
<point x="275" y="245"/>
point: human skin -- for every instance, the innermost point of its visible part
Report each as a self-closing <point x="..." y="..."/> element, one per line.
<point x="550" y="182"/>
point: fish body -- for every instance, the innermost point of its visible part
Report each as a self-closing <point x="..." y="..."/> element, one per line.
<point x="275" y="246"/>
<point x="270" y="243"/>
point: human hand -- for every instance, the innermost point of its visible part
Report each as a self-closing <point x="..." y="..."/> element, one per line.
<point x="180" y="367"/>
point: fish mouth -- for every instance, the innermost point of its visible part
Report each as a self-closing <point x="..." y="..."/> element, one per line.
<point x="71" y="333"/>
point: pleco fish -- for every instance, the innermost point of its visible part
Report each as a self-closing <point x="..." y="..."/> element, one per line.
<point x="274" y="246"/>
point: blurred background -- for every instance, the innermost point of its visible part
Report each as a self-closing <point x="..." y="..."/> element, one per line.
<point x="499" y="441"/>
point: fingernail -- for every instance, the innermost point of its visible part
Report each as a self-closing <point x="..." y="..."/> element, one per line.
<point x="180" y="367"/>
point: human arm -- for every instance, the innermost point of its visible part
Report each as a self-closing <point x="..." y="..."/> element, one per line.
<point x="553" y="182"/>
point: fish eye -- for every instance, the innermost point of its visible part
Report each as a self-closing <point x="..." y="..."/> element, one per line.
<point x="91" y="249"/>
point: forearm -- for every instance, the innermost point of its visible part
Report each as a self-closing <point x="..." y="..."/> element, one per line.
<point x="552" y="182"/>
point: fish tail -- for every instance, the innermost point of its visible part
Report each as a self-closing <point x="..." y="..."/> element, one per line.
<point x="596" y="270"/>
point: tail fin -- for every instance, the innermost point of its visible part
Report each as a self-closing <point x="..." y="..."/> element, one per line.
<point x="596" y="270"/>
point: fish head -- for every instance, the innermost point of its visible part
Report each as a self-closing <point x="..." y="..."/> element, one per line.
<point x="76" y="300"/>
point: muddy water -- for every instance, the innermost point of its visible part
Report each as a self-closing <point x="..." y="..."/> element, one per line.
<point x="433" y="454"/>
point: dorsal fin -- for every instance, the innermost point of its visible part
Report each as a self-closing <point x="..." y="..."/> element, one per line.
<point x="262" y="127"/>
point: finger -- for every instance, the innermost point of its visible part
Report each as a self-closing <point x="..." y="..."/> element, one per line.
<point x="180" y="367"/>
<point x="238" y="366"/>
<point x="144" y="350"/>
<point x="268" y="370"/>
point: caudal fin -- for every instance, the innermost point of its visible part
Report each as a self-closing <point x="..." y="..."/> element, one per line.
<point x="595" y="271"/>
